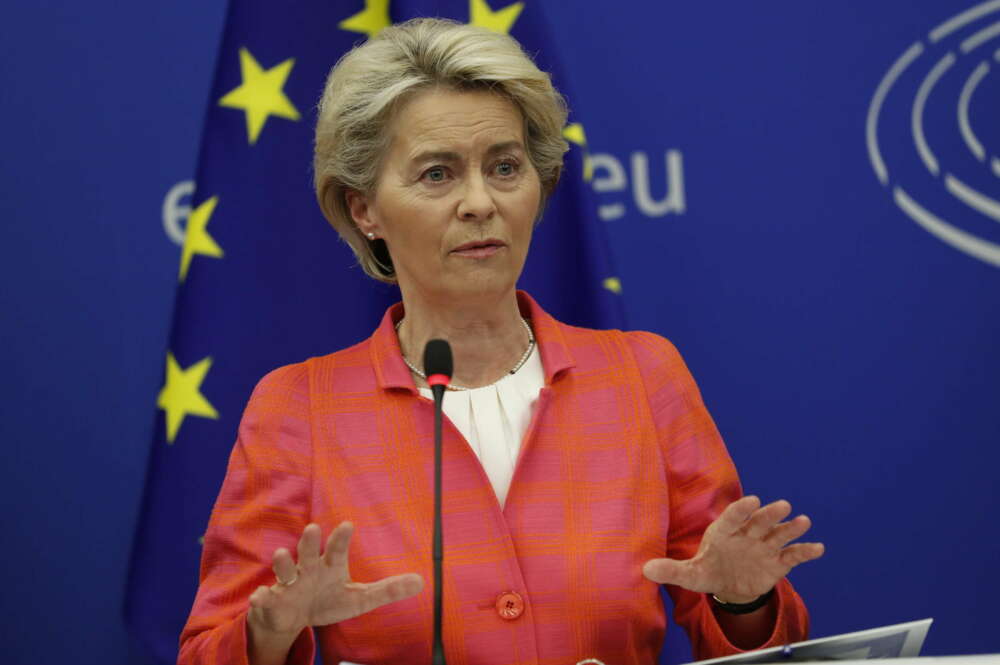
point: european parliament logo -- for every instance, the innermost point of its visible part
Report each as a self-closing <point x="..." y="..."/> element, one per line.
<point x="933" y="136"/>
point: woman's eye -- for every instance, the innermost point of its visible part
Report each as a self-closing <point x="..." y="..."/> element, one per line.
<point x="506" y="168"/>
<point x="435" y="174"/>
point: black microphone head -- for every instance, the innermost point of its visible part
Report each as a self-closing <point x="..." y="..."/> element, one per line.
<point x="437" y="358"/>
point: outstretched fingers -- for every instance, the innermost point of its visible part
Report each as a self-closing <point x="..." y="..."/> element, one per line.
<point x="736" y="514"/>
<point x="786" y="532"/>
<point x="763" y="520"/>
<point x="372" y="595"/>
<point x="793" y="555"/>
<point x="308" y="547"/>
<point x="671" y="571"/>
<point x="337" y="545"/>
<point x="285" y="570"/>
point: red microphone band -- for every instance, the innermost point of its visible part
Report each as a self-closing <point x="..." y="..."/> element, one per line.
<point x="438" y="380"/>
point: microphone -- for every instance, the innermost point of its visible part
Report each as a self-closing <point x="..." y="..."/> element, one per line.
<point x="437" y="367"/>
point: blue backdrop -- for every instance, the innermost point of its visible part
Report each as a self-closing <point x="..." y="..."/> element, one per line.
<point x="802" y="196"/>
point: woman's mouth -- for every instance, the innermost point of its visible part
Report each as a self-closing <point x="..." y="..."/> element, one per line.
<point x="479" y="249"/>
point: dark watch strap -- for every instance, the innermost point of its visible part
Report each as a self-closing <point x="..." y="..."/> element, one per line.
<point x="742" y="608"/>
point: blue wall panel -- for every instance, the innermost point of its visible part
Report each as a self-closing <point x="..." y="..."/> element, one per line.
<point x="845" y="345"/>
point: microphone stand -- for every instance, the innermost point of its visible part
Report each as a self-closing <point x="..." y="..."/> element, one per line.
<point x="437" y="651"/>
<point x="438" y="368"/>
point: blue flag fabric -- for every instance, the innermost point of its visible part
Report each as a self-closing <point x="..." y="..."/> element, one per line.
<point x="264" y="281"/>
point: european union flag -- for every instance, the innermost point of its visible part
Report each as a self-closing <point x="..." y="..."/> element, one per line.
<point x="264" y="281"/>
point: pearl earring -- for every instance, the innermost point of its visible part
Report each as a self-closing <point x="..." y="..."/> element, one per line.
<point x="371" y="236"/>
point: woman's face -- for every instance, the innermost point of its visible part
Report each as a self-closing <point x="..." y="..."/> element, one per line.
<point x="456" y="197"/>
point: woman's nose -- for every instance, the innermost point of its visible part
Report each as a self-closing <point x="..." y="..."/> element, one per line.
<point x="477" y="200"/>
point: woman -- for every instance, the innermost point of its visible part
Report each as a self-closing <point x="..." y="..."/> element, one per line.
<point x="436" y="147"/>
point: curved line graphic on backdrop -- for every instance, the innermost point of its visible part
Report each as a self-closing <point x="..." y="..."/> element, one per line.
<point x="917" y="118"/>
<point x="975" y="78"/>
<point x="981" y="37"/>
<point x="881" y="92"/>
<point x="943" y="230"/>
<point x="963" y="19"/>
<point x="957" y="238"/>
<point x="968" y="243"/>
<point x="972" y="198"/>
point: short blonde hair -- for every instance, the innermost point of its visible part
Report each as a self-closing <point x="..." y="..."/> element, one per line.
<point x="374" y="79"/>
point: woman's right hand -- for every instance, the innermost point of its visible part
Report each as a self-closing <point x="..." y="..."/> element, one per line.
<point x="317" y="591"/>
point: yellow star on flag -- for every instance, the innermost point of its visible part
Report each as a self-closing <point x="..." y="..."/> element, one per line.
<point x="613" y="284"/>
<point x="196" y="237"/>
<point x="574" y="134"/>
<point x="181" y="395"/>
<point x="501" y="20"/>
<point x="260" y="95"/>
<point x="370" y="20"/>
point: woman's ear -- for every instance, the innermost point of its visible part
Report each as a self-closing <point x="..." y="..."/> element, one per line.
<point x="357" y="204"/>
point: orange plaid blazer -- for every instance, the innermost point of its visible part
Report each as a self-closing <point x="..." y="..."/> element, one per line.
<point x="620" y="464"/>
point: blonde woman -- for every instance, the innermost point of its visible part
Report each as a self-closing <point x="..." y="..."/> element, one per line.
<point x="581" y="469"/>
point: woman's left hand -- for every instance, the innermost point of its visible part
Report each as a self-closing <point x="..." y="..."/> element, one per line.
<point x="743" y="553"/>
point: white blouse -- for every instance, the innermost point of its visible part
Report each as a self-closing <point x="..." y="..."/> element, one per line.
<point x="494" y="419"/>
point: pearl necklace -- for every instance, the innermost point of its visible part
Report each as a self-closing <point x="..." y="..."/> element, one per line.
<point x="451" y="386"/>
